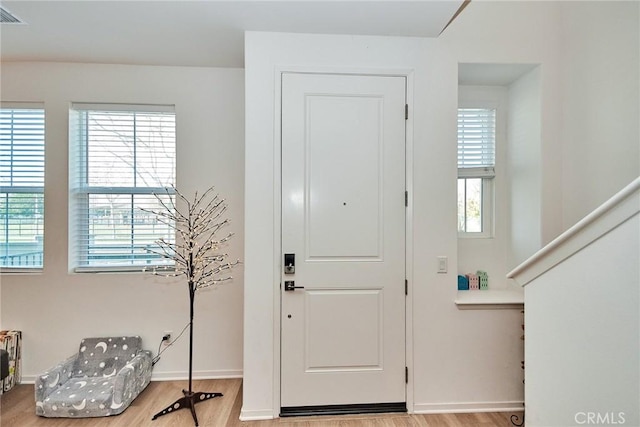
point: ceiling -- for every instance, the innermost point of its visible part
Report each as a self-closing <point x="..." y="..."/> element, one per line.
<point x="197" y="33"/>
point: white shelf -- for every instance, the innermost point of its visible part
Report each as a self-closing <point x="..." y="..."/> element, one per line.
<point x="491" y="299"/>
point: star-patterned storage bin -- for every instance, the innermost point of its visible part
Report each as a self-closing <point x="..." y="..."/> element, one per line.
<point x="11" y="341"/>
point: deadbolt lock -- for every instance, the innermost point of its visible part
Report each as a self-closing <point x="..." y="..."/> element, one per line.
<point x="289" y="263"/>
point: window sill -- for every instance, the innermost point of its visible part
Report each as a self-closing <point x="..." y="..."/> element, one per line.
<point x="492" y="299"/>
<point x="7" y="271"/>
<point x="123" y="269"/>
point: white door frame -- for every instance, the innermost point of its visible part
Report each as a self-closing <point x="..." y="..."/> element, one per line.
<point x="277" y="215"/>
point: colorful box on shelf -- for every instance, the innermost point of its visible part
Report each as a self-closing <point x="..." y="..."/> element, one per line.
<point x="474" y="283"/>
<point x="483" y="278"/>
<point x="463" y="283"/>
<point x="11" y="341"/>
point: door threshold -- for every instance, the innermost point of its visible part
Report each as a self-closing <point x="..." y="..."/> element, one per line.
<point x="359" y="408"/>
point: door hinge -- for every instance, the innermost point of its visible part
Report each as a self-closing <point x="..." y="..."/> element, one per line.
<point x="406" y="287"/>
<point x="406" y="111"/>
<point x="406" y="198"/>
<point x="406" y="375"/>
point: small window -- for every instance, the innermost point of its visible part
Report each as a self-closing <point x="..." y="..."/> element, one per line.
<point x="476" y="171"/>
<point x="121" y="157"/>
<point x="21" y="187"/>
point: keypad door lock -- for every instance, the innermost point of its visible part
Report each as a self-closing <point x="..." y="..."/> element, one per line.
<point x="289" y="263"/>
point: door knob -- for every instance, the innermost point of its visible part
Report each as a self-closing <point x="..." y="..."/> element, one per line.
<point x="290" y="285"/>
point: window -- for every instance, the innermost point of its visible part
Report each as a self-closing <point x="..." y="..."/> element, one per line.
<point x="21" y="186"/>
<point x="476" y="170"/>
<point x="121" y="155"/>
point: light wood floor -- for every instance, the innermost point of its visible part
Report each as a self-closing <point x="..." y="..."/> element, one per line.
<point x="17" y="409"/>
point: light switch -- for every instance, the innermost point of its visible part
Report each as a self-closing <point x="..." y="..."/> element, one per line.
<point x="442" y="264"/>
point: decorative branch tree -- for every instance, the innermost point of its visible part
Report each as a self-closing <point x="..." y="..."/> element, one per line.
<point x="196" y="255"/>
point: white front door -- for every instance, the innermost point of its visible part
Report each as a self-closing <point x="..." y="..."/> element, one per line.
<point x="343" y="219"/>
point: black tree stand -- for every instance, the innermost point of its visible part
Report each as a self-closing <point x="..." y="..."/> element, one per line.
<point x="517" y="421"/>
<point x="190" y="397"/>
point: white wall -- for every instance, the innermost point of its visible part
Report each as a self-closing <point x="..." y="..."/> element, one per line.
<point x="583" y="325"/>
<point x="525" y="168"/>
<point x="457" y="359"/>
<point x="601" y="109"/>
<point x="522" y="33"/>
<point x="55" y="309"/>
<point x="589" y="92"/>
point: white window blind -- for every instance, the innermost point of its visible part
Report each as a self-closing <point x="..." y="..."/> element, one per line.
<point x="476" y="170"/>
<point x="476" y="142"/>
<point x="21" y="187"/>
<point x="121" y="155"/>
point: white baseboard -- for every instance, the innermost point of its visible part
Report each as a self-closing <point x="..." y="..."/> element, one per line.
<point x="256" y="415"/>
<point x="197" y="375"/>
<point x="418" y="408"/>
<point x="463" y="407"/>
<point x="173" y="375"/>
